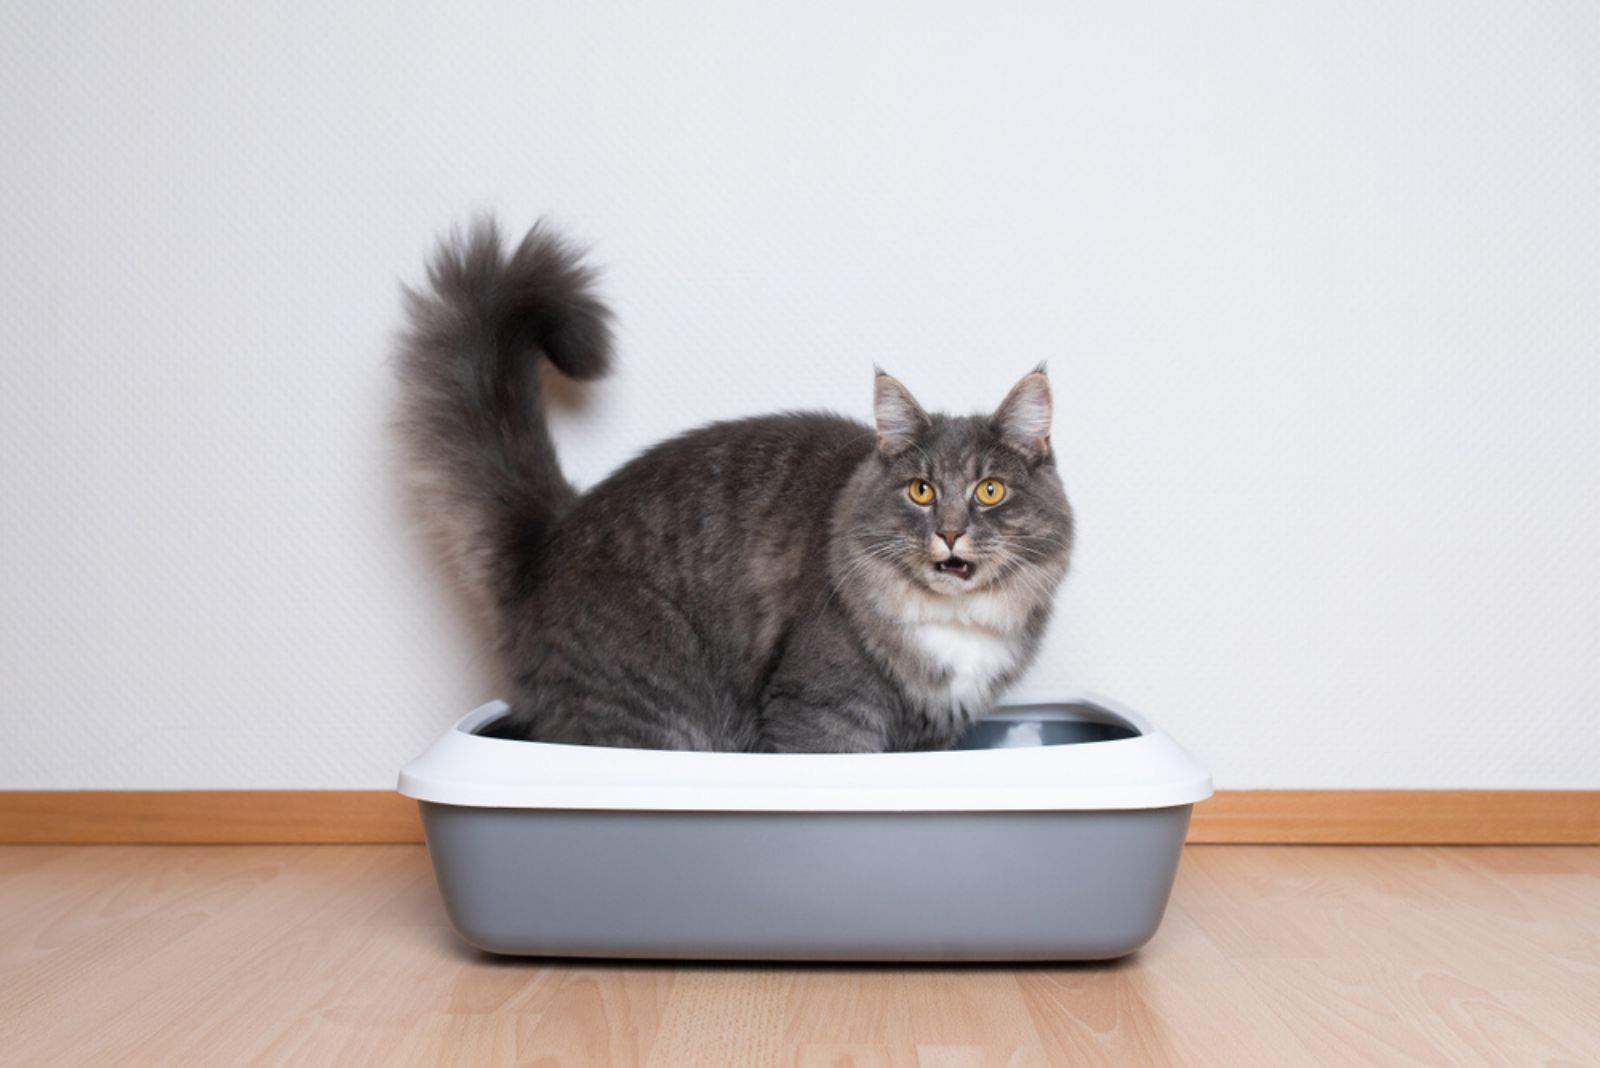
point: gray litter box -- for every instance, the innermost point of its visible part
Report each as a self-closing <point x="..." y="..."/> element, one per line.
<point x="1053" y="833"/>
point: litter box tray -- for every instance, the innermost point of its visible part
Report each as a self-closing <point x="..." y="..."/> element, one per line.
<point x="1053" y="833"/>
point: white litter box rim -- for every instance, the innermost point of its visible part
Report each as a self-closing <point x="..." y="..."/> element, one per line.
<point x="1146" y="771"/>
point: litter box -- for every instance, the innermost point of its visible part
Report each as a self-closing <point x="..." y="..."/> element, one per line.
<point x="1053" y="833"/>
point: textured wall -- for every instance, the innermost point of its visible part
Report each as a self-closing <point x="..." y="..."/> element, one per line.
<point x="1319" y="284"/>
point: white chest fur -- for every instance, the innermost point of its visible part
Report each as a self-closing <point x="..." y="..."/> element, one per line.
<point x="969" y="645"/>
<point x="973" y="658"/>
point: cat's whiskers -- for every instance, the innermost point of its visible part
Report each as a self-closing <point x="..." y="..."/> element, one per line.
<point x="1048" y="539"/>
<point x="885" y="549"/>
<point x="1021" y="574"/>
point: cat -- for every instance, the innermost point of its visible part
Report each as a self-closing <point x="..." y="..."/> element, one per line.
<point x="787" y="583"/>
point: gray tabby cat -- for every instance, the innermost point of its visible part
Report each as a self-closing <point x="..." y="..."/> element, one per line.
<point x="788" y="583"/>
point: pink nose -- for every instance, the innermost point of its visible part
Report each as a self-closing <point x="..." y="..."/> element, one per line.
<point x="949" y="537"/>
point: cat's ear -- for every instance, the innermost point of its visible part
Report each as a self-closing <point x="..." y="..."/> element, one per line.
<point x="1023" y="418"/>
<point x="899" y="417"/>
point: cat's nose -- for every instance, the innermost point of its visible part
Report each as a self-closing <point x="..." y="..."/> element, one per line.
<point x="949" y="537"/>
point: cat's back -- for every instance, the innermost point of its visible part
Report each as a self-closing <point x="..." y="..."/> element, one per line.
<point x="738" y="491"/>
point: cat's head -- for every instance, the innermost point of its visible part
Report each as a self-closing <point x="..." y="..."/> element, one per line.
<point x="953" y="505"/>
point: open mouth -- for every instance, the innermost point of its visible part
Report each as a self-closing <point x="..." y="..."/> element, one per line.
<point x="954" y="565"/>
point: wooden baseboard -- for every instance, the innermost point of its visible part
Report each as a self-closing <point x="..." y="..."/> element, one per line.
<point x="1388" y="817"/>
<point x="208" y="817"/>
<point x="1400" y="817"/>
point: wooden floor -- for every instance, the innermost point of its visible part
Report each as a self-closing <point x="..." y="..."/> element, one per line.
<point x="1268" y="955"/>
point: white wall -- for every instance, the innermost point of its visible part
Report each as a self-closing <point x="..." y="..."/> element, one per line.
<point x="1319" y="284"/>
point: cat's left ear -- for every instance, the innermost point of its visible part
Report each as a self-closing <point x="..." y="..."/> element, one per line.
<point x="1023" y="418"/>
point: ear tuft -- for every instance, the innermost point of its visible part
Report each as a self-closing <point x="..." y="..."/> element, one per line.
<point x="898" y="415"/>
<point x="1023" y="418"/>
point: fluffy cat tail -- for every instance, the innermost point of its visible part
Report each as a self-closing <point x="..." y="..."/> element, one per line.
<point x="471" y="416"/>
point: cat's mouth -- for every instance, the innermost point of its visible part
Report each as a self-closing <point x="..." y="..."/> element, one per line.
<point x="954" y="565"/>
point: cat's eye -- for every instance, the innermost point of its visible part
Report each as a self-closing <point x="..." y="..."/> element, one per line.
<point x="919" y="491"/>
<point x="990" y="491"/>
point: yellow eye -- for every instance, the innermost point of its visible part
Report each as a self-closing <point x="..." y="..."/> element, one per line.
<point x="990" y="491"/>
<point x="919" y="492"/>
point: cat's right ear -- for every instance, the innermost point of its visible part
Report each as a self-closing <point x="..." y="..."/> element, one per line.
<point x="899" y="417"/>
